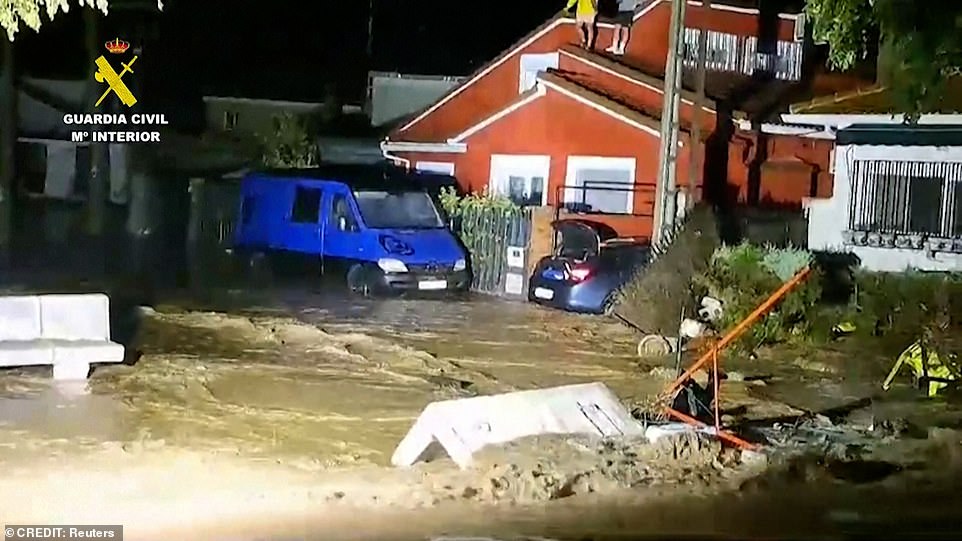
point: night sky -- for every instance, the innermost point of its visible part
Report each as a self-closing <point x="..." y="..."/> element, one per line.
<point x="291" y="48"/>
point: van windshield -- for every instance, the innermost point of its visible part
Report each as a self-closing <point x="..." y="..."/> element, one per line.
<point x="398" y="210"/>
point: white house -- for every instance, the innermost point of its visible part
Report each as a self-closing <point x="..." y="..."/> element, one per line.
<point x="897" y="188"/>
<point x="52" y="165"/>
<point x="897" y="199"/>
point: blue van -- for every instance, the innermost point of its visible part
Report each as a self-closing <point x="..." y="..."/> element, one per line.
<point x="382" y="230"/>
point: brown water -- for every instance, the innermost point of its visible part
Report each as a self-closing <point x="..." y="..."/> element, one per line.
<point x="276" y="421"/>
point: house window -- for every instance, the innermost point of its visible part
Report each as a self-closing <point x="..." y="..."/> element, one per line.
<point x="600" y="185"/>
<point x="909" y="198"/>
<point x="307" y="205"/>
<point x="230" y="120"/>
<point x="531" y="65"/>
<point x="441" y="168"/>
<point x="526" y="190"/>
<point x="721" y="50"/>
<point x="521" y="178"/>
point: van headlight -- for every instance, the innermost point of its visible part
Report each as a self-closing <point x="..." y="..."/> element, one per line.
<point x="460" y="264"/>
<point x="389" y="264"/>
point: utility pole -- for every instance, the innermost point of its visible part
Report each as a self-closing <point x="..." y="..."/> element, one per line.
<point x="370" y="32"/>
<point x="665" y="195"/>
<point x="98" y="182"/>
<point x="697" y="150"/>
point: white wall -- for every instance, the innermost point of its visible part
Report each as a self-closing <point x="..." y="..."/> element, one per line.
<point x="829" y="218"/>
<point x="254" y="117"/>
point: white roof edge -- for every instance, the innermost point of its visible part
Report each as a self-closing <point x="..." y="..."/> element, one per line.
<point x="844" y="120"/>
<point x="809" y="132"/>
<point x="738" y="9"/>
<point x="410" y="146"/>
<point x="601" y="108"/>
<point x="499" y="114"/>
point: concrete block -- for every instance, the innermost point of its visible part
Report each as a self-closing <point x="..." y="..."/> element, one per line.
<point x="75" y="317"/>
<point x="19" y="317"/>
<point x="71" y="371"/>
<point x="461" y="427"/>
<point x="69" y="332"/>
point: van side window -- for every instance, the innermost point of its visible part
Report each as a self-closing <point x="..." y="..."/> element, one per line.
<point x="307" y="205"/>
<point x="341" y="215"/>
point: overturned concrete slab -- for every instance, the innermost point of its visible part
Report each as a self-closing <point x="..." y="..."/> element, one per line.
<point x="459" y="428"/>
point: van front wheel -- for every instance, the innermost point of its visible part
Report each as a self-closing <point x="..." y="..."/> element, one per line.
<point x="360" y="280"/>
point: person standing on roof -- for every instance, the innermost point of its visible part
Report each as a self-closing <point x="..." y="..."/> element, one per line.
<point x="623" y="20"/>
<point x="586" y="13"/>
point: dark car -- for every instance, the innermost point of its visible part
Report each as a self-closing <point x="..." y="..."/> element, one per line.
<point x="587" y="268"/>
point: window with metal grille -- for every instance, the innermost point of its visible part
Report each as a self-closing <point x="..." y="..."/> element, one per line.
<point x="910" y="198"/>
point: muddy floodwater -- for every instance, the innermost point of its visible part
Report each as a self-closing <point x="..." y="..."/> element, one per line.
<point x="273" y="414"/>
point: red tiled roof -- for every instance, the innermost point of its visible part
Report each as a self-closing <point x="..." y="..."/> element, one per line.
<point x="621" y="105"/>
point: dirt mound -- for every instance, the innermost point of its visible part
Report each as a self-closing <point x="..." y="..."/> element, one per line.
<point x="654" y="298"/>
<point x="546" y="468"/>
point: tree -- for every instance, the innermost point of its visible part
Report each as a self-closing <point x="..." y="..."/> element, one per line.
<point x="291" y="144"/>
<point x="919" y="44"/>
<point x="12" y="12"/>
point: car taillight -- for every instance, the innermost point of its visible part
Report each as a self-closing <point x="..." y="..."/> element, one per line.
<point x="578" y="274"/>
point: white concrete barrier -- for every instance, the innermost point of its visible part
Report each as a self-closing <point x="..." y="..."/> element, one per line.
<point x="68" y="332"/>
<point x="462" y="427"/>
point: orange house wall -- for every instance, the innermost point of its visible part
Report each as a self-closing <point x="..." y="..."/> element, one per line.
<point x="486" y="96"/>
<point x="780" y="186"/>
<point x="556" y="126"/>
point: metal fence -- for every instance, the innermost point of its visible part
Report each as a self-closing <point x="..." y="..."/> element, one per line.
<point x="498" y="243"/>
<point x="213" y="213"/>
<point x="906" y="198"/>
<point x="728" y="52"/>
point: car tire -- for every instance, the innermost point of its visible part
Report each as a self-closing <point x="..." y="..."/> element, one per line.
<point x="359" y="280"/>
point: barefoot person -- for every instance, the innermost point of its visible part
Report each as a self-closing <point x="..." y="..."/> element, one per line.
<point x="623" y="21"/>
<point x="586" y="12"/>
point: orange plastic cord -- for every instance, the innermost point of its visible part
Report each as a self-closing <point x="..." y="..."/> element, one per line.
<point x="733" y="334"/>
<point x="712" y="357"/>
<point x="730" y="438"/>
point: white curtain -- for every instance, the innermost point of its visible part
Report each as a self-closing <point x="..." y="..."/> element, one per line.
<point x="61" y="169"/>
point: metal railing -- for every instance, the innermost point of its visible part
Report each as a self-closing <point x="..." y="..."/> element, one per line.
<point x="608" y="198"/>
<point x="906" y="198"/>
<point x="728" y="52"/>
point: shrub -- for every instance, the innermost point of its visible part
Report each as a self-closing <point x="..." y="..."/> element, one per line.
<point x="905" y="304"/>
<point x="290" y="145"/>
<point x="477" y="219"/>
<point x="745" y="275"/>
